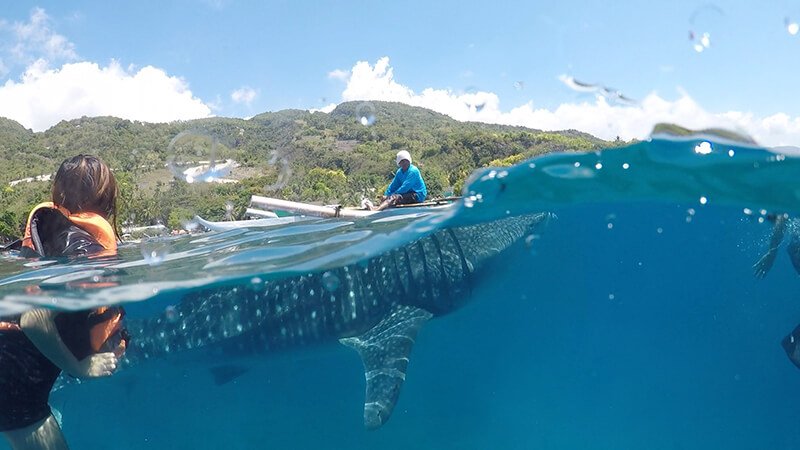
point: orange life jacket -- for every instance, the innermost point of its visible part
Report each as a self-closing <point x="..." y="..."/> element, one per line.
<point x="106" y="333"/>
<point x="105" y="330"/>
<point x="92" y="223"/>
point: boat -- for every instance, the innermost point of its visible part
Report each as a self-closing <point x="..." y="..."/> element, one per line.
<point x="268" y="204"/>
<point x="252" y="223"/>
<point x="262" y="211"/>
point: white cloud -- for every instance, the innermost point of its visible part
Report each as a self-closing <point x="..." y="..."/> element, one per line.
<point x="326" y="109"/>
<point x="244" y="95"/>
<point x="339" y="74"/>
<point x="35" y="39"/>
<point x="46" y="96"/>
<point x="597" y="117"/>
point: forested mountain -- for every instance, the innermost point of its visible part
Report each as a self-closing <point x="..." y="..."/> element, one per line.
<point x="293" y="154"/>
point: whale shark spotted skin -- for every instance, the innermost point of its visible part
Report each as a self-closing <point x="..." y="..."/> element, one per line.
<point x="375" y="307"/>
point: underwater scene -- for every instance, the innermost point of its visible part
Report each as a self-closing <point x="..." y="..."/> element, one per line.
<point x="617" y="299"/>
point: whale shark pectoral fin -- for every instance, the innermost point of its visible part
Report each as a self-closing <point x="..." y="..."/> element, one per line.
<point x="384" y="350"/>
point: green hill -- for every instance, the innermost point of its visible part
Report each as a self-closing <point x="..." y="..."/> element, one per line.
<point x="292" y="154"/>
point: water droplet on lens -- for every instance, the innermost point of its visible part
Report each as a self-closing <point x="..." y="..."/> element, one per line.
<point x="192" y="157"/>
<point x="228" y="211"/>
<point x="792" y="27"/>
<point x="703" y="148"/>
<point x="330" y="281"/>
<point x="190" y="225"/>
<point x="365" y="114"/>
<point x="704" y="19"/>
<point x="154" y="250"/>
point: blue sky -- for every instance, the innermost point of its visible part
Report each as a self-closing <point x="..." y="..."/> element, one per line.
<point x="508" y="62"/>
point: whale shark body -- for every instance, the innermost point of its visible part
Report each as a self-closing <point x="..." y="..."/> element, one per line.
<point x="375" y="307"/>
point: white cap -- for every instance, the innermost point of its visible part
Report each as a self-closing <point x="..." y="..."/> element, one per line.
<point x="403" y="154"/>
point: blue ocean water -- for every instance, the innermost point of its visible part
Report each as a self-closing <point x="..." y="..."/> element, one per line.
<point x="631" y="321"/>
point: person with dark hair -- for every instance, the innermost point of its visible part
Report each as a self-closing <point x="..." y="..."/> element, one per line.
<point x="407" y="186"/>
<point x="37" y="345"/>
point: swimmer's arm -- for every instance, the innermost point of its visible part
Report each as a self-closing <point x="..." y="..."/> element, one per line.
<point x="777" y="232"/>
<point x="763" y="265"/>
<point x="40" y="327"/>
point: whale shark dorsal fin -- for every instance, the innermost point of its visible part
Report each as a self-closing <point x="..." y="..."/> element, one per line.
<point x="384" y="350"/>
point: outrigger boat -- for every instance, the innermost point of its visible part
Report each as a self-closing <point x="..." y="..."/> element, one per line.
<point x="262" y="212"/>
<point x="276" y="204"/>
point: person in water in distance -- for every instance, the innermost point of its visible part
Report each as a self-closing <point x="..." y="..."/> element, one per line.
<point x="782" y="222"/>
<point x="37" y="345"/>
<point x="407" y="186"/>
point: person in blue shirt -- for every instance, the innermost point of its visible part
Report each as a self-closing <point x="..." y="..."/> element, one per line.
<point x="407" y="186"/>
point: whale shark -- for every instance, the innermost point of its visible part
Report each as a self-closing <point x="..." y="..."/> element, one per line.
<point x="376" y="307"/>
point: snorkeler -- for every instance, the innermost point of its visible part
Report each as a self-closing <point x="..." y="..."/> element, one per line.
<point x="407" y="186"/>
<point x="38" y="344"/>
<point x="782" y="221"/>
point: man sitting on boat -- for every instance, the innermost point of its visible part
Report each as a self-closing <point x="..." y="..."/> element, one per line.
<point x="407" y="186"/>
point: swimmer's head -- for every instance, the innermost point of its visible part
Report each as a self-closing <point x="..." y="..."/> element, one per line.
<point x="84" y="183"/>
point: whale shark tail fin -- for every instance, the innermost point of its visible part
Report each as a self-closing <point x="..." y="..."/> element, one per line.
<point x="384" y="350"/>
<point x="791" y="344"/>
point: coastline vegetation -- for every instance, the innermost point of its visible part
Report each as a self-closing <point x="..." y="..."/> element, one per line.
<point x="329" y="158"/>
